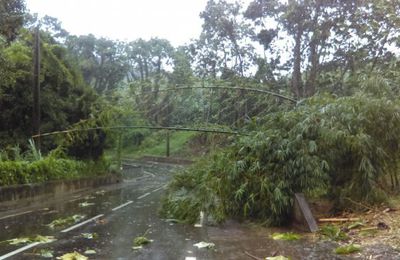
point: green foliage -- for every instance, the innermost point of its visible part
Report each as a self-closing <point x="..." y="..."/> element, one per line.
<point x="191" y="193"/>
<point x="37" y="238"/>
<point x="348" y="249"/>
<point x="34" y="151"/>
<point x="32" y="167"/>
<point x="87" y="138"/>
<point x="289" y="236"/>
<point x="21" y="172"/>
<point x="155" y="144"/>
<point x="62" y="222"/>
<point x="333" y="232"/>
<point x="343" y="147"/>
<point x="11" y="17"/>
<point x="140" y="241"/>
<point x="65" y="99"/>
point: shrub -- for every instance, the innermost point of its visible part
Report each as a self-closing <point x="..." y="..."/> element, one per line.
<point x="47" y="169"/>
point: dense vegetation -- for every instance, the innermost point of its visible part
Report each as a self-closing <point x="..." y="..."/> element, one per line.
<point x="311" y="85"/>
<point x="341" y="148"/>
<point x="17" y="167"/>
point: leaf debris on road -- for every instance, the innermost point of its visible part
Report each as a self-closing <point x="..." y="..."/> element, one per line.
<point x="203" y="244"/>
<point x="61" y="222"/>
<point x="72" y="256"/>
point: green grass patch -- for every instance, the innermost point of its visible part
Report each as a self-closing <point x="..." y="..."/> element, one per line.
<point x="155" y="145"/>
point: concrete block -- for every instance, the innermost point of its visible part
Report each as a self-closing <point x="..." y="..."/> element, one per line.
<point x="302" y="215"/>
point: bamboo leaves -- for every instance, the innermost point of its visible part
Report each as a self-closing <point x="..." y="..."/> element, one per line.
<point x="341" y="147"/>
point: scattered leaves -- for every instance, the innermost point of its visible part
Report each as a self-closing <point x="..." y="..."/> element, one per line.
<point x="203" y="244"/>
<point x="85" y="204"/>
<point x="90" y="252"/>
<point x="18" y="241"/>
<point x="72" y="256"/>
<point x="140" y="241"/>
<point x="279" y="257"/>
<point x="62" y="222"/>
<point x="38" y="238"/>
<point x="348" y="249"/>
<point x="100" y="192"/>
<point x="46" y="253"/>
<point x="90" y="235"/>
<point x="333" y="232"/>
<point x="289" y="236"/>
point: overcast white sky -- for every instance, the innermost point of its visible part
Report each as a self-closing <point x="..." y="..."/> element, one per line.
<point x="175" y="20"/>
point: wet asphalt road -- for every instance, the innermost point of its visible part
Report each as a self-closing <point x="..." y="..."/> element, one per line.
<point x="119" y="214"/>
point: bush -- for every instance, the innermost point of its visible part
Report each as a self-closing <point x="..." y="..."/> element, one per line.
<point x="344" y="147"/>
<point x="51" y="167"/>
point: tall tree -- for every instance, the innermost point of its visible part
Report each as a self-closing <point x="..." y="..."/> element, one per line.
<point x="223" y="44"/>
<point x="138" y="55"/>
<point x="328" y="34"/>
<point x="11" y="18"/>
<point x="103" y="61"/>
<point x="65" y="98"/>
<point x="182" y="73"/>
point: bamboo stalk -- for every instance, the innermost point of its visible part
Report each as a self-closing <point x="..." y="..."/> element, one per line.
<point x="205" y="130"/>
<point x="230" y="88"/>
<point x="338" y="219"/>
<point x="368" y="229"/>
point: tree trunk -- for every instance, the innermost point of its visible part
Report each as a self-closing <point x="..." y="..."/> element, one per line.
<point x="314" y="60"/>
<point x="296" y="75"/>
<point x="314" y="55"/>
<point x="141" y="70"/>
<point x="146" y="70"/>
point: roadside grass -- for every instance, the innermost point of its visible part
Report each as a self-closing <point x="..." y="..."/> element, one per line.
<point x="155" y="145"/>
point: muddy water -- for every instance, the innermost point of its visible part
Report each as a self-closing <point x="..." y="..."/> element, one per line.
<point x="116" y="230"/>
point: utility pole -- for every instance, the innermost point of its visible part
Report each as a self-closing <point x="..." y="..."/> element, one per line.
<point x="36" y="87"/>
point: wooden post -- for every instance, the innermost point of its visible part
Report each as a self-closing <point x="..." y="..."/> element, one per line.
<point x="36" y="87"/>
<point x="167" y="148"/>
